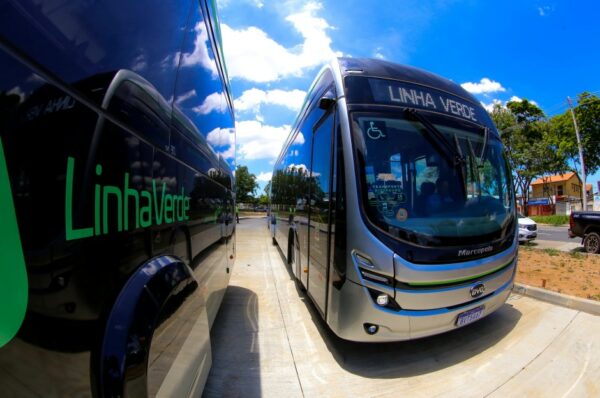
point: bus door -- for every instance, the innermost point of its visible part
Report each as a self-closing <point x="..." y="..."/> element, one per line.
<point x="320" y="210"/>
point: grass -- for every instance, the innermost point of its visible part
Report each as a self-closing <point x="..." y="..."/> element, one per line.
<point x="576" y="255"/>
<point x="557" y="219"/>
<point x="551" y="252"/>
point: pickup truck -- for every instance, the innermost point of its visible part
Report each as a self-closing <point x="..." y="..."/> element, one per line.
<point x="586" y="225"/>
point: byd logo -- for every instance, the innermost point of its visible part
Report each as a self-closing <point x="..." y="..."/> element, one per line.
<point x="477" y="290"/>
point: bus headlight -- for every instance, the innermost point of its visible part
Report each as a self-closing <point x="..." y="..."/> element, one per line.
<point x="383" y="300"/>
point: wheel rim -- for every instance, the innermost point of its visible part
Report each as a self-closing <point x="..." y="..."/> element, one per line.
<point x="592" y="244"/>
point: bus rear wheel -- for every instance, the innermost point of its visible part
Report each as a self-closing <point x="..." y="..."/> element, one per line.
<point x="591" y="243"/>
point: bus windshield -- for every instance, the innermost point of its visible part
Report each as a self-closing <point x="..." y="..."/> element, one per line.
<point x="432" y="179"/>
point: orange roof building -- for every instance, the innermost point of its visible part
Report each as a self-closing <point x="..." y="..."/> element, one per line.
<point x="556" y="178"/>
<point x="562" y="186"/>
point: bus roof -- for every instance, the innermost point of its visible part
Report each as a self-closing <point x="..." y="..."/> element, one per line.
<point x="378" y="68"/>
<point x="388" y="70"/>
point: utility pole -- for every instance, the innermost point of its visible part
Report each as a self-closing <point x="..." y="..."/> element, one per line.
<point x="580" y="153"/>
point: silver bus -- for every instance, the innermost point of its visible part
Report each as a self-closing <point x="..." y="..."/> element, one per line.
<point x="392" y="201"/>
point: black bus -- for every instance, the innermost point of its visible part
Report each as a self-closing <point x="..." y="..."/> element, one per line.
<point x="116" y="196"/>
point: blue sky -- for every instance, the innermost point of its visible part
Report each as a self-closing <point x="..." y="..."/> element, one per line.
<point x="498" y="50"/>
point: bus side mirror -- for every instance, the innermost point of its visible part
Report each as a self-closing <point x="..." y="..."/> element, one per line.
<point x="327" y="101"/>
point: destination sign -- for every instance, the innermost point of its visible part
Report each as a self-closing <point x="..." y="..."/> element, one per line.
<point x="420" y="97"/>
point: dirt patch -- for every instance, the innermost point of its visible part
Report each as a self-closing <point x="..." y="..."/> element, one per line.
<point x="575" y="274"/>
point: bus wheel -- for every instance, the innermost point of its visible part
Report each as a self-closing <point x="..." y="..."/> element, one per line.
<point x="591" y="243"/>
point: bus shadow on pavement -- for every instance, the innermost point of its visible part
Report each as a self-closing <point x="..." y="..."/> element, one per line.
<point x="235" y="353"/>
<point x="421" y="356"/>
<point x="413" y="357"/>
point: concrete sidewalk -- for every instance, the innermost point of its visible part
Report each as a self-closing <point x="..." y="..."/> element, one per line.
<point x="575" y="245"/>
<point x="269" y="341"/>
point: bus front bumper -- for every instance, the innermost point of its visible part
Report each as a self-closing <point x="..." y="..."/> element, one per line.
<point x="359" y="312"/>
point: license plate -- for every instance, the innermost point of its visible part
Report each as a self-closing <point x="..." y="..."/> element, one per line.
<point x="469" y="316"/>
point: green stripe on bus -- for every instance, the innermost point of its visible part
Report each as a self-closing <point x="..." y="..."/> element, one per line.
<point x="13" y="275"/>
<point x="435" y="283"/>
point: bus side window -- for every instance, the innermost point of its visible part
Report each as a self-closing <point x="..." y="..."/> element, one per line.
<point x="143" y="109"/>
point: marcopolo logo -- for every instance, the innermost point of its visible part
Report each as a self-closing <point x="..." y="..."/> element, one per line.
<point x="148" y="207"/>
<point x="473" y="252"/>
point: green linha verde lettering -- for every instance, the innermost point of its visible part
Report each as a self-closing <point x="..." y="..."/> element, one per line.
<point x="147" y="207"/>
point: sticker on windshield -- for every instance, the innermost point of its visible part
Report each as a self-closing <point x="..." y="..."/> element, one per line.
<point x="401" y="214"/>
<point x="375" y="130"/>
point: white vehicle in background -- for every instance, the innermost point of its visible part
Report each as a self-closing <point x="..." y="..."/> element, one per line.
<point x="527" y="229"/>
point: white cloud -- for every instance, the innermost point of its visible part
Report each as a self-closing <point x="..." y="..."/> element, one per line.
<point x="259" y="141"/>
<point x="200" y="56"/>
<point x="485" y="85"/>
<point x="545" y="10"/>
<point x="299" y="140"/>
<point x="219" y="137"/>
<point x="253" y="99"/>
<point x="264" y="176"/>
<point x="185" y="96"/>
<point x="490" y="107"/>
<point x="214" y="102"/>
<point x="229" y="153"/>
<point x="252" y="55"/>
<point x="139" y="63"/>
<point x="379" y="53"/>
<point x="514" y="98"/>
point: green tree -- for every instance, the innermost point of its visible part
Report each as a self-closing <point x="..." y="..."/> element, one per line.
<point x="264" y="198"/>
<point x="563" y="136"/>
<point x="529" y="151"/>
<point x="245" y="184"/>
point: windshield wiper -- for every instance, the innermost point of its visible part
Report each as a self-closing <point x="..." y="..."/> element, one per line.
<point x="453" y="152"/>
<point x="486" y="133"/>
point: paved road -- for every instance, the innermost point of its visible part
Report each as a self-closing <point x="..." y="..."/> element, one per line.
<point x="550" y="237"/>
<point x="269" y="341"/>
<point x="558" y="234"/>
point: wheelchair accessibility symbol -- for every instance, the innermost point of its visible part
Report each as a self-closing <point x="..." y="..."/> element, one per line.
<point x="374" y="132"/>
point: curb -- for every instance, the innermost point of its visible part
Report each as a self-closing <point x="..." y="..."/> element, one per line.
<point x="541" y="244"/>
<point x="576" y="303"/>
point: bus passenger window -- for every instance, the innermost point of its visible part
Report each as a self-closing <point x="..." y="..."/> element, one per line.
<point x="143" y="109"/>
